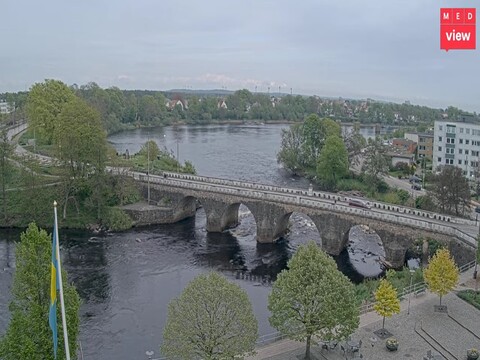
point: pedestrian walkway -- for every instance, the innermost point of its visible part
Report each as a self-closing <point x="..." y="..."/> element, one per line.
<point x="408" y="327"/>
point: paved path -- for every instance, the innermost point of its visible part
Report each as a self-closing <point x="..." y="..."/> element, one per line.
<point x="453" y="337"/>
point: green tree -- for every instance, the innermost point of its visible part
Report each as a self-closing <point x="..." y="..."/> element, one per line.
<point x="386" y="300"/>
<point x="28" y="335"/>
<point x="6" y="151"/>
<point x="290" y="155"/>
<point x="212" y="319"/>
<point x="441" y="274"/>
<point x="333" y="161"/>
<point x="150" y="150"/>
<point x="80" y="144"/>
<point x="313" y="298"/>
<point x="376" y="160"/>
<point x="45" y="103"/>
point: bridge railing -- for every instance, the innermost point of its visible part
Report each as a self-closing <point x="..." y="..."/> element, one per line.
<point x="320" y="195"/>
<point x="397" y="218"/>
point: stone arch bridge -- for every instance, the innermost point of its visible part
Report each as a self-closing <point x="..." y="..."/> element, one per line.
<point x="177" y="197"/>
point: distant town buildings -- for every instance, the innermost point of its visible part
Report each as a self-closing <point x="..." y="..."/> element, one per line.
<point x="6" y="108"/>
<point x="458" y="144"/>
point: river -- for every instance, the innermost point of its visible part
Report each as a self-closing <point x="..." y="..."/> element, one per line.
<point x="126" y="280"/>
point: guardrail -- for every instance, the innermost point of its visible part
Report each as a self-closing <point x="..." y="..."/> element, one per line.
<point x="294" y="199"/>
<point x="321" y="194"/>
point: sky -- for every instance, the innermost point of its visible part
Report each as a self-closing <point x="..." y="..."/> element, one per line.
<point x="386" y="50"/>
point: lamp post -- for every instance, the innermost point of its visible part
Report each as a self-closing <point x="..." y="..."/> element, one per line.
<point x="411" y="290"/>
<point x="148" y="172"/>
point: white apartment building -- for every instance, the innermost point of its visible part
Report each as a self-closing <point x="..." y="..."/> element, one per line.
<point x="5" y="107"/>
<point x="458" y="144"/>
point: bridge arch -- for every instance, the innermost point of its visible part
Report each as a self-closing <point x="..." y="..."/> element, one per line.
<point x="186" y="207"/>
<point x="230" y="217"/>
<point x="283" y="222"/>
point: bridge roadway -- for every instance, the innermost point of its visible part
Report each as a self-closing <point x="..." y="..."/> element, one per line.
<point x="463" y="229"/>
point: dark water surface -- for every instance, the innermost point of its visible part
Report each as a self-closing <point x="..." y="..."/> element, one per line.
<point x="126" y="280"/>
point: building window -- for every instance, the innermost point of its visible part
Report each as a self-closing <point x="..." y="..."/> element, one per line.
<point x="466" y="152"/>
<point x="439" y="148"/>
<point x="450" y="129"/>
<point x="440" y="139"/>
<point x="467" y="131"/>
<point x="440" y="127"/>
<point x="450" y="141"/>
<point x="467" y="142"/>
<point x="439" y="159"/>
<point x="461" y="130"/>
<point x="449" y="161"/>
<point x="459" y="162"/>
<point x="460" y="141"/>
<point x="460" y="151"/>
<point x="466" y="162"/>
<point x="450" y="151"/>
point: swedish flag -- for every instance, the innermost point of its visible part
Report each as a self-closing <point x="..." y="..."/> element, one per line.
<point x="54" y="286"/>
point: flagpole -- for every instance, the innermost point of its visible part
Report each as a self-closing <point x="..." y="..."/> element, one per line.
<point x="60" y="286"/>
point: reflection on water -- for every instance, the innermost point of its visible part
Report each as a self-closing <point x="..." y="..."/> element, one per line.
<point x="126" y="280"/>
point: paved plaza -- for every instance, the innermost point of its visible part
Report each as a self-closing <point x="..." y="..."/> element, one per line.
<point x="422" y="330"/>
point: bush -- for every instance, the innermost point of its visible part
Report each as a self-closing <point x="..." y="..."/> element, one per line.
<point x="470" y="296"/>
<point x="115" y="219"/>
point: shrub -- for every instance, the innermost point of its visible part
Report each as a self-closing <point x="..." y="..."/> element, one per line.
<point x="116" y="219"/>
<point x="470" y="296"/>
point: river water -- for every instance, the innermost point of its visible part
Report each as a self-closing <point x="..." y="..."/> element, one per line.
<point x="126" y="280"/>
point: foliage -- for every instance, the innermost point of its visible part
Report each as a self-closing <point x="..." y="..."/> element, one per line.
<point x="150" y="150"/>
<point x="386" y="300"/>
<point x="470" y="296"/>
<point x="116" y="219"/>
<point x="333" y="161"/>
<point x="451" y="191"/>
<point x="376" y="160"/>
<point x="45" y="103"/>
<point x="6" y="168"/>
<point x="441" y="274"/>
<point x="312" y="298"/>
<point x="391" y="342"/>
<point x="290" y="154"/>
<point x="212" y="319"/>
<point x="28" y="335"/>
<point x="355" y="143"/>
<point x="425" y="202"/>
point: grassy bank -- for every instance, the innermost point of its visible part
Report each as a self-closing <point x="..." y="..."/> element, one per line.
<point x="470" y="296"/>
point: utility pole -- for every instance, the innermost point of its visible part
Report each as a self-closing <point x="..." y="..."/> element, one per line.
<point x="148" y="172"/>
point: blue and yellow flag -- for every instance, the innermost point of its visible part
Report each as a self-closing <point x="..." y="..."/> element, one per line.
<point x="54" y="286"/>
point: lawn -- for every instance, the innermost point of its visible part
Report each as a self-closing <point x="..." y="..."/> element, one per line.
<point x="470" y="296"/>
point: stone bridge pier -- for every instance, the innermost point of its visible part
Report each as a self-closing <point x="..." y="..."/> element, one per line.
<point x="272" y="220"/>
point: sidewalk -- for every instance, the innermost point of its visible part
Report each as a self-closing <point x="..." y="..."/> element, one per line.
<point x="420" y="307"/>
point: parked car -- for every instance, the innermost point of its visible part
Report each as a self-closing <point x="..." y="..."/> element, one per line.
<point x="416" y="186"/>
<point x="477" y="209"/>
<point x="359" y="203"/>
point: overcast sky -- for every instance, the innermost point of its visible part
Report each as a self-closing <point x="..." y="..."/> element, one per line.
<point x="372" y="48"/>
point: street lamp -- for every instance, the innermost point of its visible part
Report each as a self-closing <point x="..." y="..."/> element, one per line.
<point x="411" y="290"/>
<point x="148" y="172"/>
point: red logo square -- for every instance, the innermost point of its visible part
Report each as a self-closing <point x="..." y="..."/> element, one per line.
<point x="458" y="29"/>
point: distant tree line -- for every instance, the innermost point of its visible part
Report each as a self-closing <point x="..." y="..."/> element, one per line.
<point x="121" y="109"/>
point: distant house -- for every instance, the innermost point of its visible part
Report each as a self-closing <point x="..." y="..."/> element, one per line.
<point x="171" y="104"/>
<point x="406" y="145"/>
<point x="221" y="104"/>
<point x="424" y="143"/>
<point x="398" y="155"/>
<point x="5" y="107"/>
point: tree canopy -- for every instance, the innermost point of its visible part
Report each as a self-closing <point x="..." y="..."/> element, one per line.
<point x="386" y="300"/>
<point x="333" y="161"/>
<point x="28" y="335"/>
<point x="312" y="298"/>
<point x="45" y="103"/>
<point x="212" y="319"/>
<point x="451" y="191"/>
<point x="441" y="274"/>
